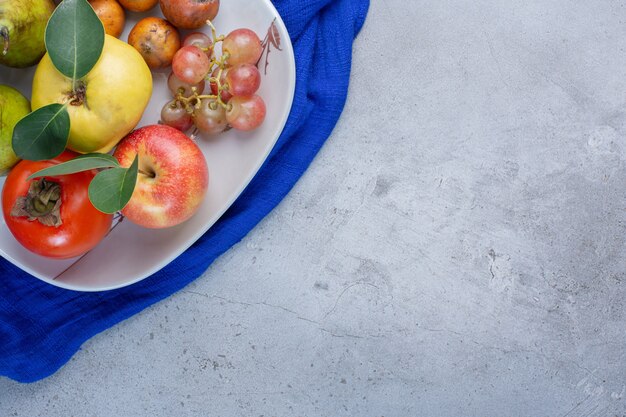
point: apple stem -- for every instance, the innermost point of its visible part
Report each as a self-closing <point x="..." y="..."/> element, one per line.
<point x="4" y="32"/>
<point x="147" y="174"/>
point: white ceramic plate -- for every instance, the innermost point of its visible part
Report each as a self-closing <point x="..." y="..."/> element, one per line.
<point x="130" y="253"/>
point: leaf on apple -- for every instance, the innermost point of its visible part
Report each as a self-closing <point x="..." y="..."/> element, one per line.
<point x="112" y="189"/>
<point x="80" y="163"/>
<point x="42" y="134"/>
<point x="74" y="38"/>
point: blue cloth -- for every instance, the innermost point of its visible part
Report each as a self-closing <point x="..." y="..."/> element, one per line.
<point x="42" y="326"/>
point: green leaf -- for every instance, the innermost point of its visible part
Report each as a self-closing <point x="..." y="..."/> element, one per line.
<point x="42" y="134"/>
<point x="74" y="38"/>
<point x="80" y="163"/>
<point x="112" y="189"/>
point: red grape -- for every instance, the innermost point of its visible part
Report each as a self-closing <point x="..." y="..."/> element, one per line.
<point x="243" y="80"/>
<point x="200" y="40"/>
<point x="177" y="86"/>
<point x="175" y="115"/>
<point x="243" y="47"/>
<point x="190" y="64"/>
<point x="246" y="113"/>
<point x="225" y="93"/>
<point x="210" y="117"/>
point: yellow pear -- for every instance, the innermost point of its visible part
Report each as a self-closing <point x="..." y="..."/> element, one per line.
<point x="106" y="104"/>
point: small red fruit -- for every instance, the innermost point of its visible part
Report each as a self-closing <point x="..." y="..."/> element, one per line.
<point x="138" y="5"/>
<point x="156" y="40"/>
<point x="111" y="14"/>
<point x="189" y="14"/>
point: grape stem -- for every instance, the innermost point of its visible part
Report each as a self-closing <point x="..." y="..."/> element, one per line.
<point x="216" y="38"/>
<point x="195" y="100"/>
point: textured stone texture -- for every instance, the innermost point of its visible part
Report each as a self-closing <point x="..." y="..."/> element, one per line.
<point x="455" y="249"/>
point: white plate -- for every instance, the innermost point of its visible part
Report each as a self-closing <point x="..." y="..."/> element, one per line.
<point x="130" y="253"/>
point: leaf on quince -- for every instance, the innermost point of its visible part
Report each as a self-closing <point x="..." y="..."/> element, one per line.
<point x="42" y="134"/>
<point x="112" y="189"/>
<point x="80" y="163"/>
<point x="74" y="38"/>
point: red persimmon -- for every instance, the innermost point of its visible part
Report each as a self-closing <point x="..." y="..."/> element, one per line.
<point x="53" y="216"/>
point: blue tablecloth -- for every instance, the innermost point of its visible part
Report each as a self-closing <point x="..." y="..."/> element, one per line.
<point x="42" y="326"/>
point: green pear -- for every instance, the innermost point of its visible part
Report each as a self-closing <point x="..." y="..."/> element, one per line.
<point x="13" y="106"/>
<point x="22" y="29"/>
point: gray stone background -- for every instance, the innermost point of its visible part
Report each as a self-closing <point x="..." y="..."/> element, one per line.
<point x="455" y="250"/>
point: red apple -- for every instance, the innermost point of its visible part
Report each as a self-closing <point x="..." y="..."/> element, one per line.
<point x="173" y="176"/>
<point x="189" y="14"/>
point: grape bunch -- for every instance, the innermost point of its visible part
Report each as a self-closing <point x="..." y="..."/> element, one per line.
<point x="230" y="80"/>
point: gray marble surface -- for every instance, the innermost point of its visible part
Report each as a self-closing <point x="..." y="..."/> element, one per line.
<point x="455" y="250"/>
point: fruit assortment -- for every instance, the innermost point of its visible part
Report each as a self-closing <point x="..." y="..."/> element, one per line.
<point x="83" y="164"/>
